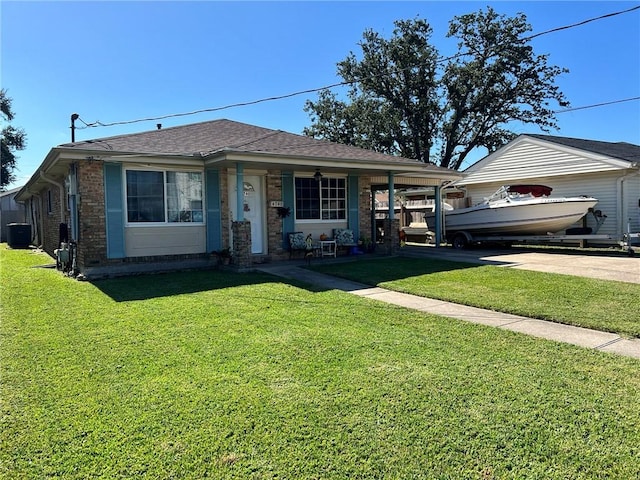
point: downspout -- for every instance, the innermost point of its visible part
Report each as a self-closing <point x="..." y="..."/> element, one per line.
<point x="31" y="216"/>
<point x="61" y="188"/>
<point x="620" y="204"/>
<point x="33" y="204"/>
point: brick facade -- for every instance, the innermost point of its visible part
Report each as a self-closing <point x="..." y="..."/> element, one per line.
<point x="391" y="242"/>
<point x="274" y="222"/>
<point x="92" y="241"/>
<point x="52" y="204"/>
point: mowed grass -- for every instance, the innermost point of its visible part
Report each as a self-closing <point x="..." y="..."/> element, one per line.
<point x="222" y="375"/>
<point x="585" y="302"/>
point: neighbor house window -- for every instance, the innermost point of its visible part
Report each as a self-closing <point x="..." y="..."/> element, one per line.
<point x="161" y="197"/>
<point x="323" y="200"/>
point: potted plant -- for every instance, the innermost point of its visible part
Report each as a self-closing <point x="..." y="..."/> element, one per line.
<point x="283" y="212"/>
<point x="224" y="256"/>
<point x="366" y="244"/>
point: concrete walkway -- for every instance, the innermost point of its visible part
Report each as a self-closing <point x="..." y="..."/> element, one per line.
<point x="583" y="337"/>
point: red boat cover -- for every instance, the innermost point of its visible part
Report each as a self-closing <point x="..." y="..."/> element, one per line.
<point x="535" y="190"/>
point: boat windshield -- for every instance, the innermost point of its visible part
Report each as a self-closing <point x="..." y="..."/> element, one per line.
<point x="501" y="194"/>
<point x="514" y="192"/>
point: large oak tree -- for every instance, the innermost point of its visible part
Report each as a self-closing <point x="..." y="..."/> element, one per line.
<point x="405" y="100"/>
<point x="12" y="139"/>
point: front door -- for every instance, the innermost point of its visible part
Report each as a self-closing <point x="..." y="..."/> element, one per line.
<point x="252" y="210"/>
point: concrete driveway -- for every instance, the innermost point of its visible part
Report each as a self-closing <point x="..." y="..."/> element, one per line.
<point x="606" y="266"/>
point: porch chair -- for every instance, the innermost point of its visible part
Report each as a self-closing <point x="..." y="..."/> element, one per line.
<point x="344" y="239"/>
<point x="299" y="243"/>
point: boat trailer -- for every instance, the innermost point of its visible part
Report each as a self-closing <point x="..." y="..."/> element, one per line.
<point x="461" y="239"/>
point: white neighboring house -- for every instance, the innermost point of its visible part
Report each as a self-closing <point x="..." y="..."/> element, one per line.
<point x="607" y="171"/>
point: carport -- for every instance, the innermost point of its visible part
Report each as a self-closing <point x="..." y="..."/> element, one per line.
<point x="392" y="183"/>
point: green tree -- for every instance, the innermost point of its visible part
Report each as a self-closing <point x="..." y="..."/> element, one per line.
<point x="12" y="139"/>
<point x="404" y="100"/>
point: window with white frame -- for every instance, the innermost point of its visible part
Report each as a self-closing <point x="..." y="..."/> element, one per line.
<point x="321" y="200"/>
<point x="164" y="197"/>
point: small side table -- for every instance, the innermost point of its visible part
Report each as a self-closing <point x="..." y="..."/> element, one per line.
<point x="328" y="248"/>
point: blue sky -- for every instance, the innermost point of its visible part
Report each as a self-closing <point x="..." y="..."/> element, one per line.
<point x="119" y="61"/>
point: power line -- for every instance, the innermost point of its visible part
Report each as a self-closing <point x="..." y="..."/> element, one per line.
<point x="584" y="22"/>
<point x="97" y="123"/>
<point x="597" y="105"/>
<point x="557" y="29"/>
<point x="214" y="109"/>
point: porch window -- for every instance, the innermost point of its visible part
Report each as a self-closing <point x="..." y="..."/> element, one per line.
<point x="164" y="197"/>
<point x="323" y="200"/>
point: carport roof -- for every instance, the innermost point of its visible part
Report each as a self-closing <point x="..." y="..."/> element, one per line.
<point x="620" y="150"/>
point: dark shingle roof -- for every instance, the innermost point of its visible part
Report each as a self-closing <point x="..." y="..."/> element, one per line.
<point x="226" y="135"/>
<point x="619" y="150"/>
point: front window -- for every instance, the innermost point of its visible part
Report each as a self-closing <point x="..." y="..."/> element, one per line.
<point x="321" y="200"/>
<point x="159" y="197"/>
<point x="184" y="196"/>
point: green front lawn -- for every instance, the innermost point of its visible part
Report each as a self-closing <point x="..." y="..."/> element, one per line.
<point x="584" y="302"/>
<point x="220" y="375"/>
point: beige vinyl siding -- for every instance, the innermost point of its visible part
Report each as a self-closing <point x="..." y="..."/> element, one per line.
<point x="143" y="241"/>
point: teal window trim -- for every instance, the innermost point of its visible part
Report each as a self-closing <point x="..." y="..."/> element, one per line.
<point x="213" y="209"/>
<point x="288" y="199"/>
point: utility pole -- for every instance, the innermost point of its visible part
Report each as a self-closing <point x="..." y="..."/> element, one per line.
<point x="74" y="117"/>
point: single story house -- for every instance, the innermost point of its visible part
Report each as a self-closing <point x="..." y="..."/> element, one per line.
<point x="608" y="171"/>
<point x="132" y="203"/>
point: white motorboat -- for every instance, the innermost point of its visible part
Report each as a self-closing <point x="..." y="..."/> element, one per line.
<point x="519" y="210"/>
